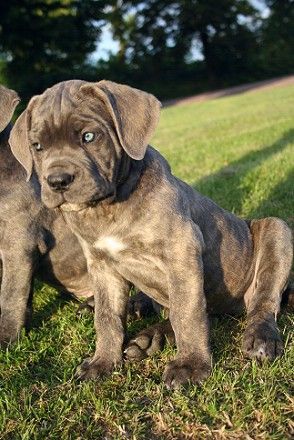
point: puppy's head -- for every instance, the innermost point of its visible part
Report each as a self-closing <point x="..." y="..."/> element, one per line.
<point x="8" y="101"/>
<point x="77" y="134"/>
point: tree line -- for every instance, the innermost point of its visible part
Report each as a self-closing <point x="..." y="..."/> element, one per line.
<point x="170" y="48"/>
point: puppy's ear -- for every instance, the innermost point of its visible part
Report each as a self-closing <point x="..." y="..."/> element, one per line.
<point x="8" y="101"/>
<point x="19" y="143"/>
<point x="135" y="114"/>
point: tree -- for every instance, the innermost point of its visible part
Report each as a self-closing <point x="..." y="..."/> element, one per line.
<point x="158" y="35"/>
<point x="45" y="41"/>
<point x="278" y="37"/>
<point x="224" y="31"/>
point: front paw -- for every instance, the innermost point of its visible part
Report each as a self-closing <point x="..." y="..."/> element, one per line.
<point x="183" y="371"/>
<point x="149" y="341"/>
<point x="92" y="368"/>
<point x="262" y="341"/>
<point x="85" y="308"/>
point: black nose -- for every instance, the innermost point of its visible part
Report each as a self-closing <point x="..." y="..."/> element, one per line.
<point x="60" y="181"/>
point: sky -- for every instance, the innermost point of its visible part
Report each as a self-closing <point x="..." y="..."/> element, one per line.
<point x="106" y="44"/>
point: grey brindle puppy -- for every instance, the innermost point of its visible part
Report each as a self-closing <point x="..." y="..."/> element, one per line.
<point x="139" y="224"/>
<point x="34" y="241"/>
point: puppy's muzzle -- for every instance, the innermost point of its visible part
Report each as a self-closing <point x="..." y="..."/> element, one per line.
<point x="60" y="182"/>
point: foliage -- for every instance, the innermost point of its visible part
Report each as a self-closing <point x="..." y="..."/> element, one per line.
<point x="278" y="37"/>
<point x="159" y="40"/>
<point x="171" y="48"/>
<point x="46" y="41"/>
<point x="157" y="37"/>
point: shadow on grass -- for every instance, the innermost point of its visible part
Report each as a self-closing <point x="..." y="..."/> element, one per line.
<point x="57" y="301"/>
<point x="225" y="186"/>
<point x="273" y="204"/>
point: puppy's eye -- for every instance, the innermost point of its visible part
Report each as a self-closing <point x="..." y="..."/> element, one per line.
<point x="37" y="146"/>
<point x="88" y="137"/>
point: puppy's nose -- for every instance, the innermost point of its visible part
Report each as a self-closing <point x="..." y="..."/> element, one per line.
<point x="60" y="181"/>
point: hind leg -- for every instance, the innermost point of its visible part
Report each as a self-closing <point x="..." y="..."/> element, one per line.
<point x="273" y="258"/>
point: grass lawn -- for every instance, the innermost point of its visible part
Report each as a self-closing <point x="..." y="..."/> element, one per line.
<point x="239" y="151"/>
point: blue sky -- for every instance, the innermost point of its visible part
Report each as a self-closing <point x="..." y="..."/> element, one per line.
<point x="105" y="45"/>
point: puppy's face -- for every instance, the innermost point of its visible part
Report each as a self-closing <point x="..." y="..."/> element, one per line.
<point x="70" y="137"/>
<point x="77" y="134"/>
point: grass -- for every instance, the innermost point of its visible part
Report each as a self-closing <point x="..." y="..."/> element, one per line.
<point x="238" y="150"/>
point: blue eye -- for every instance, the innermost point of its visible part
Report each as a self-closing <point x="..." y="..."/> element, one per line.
<point x="37" y="146"/>
<point x="88" y="137"/>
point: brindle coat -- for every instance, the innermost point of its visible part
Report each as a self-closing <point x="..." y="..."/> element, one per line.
<point x="139" y="224"/>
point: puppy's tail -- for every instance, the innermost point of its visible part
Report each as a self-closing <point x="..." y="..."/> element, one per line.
<point x="287" y="302"/>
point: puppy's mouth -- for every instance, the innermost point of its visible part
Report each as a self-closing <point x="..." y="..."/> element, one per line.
<point x="99" y="198"/>
<point x="65" y="200"/>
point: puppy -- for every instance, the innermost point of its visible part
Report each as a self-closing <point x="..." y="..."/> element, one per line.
<point x="139" y="224"/>
<point x="34" y="241"/>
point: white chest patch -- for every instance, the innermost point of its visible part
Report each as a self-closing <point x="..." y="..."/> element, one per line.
<point x="110" y="244"/>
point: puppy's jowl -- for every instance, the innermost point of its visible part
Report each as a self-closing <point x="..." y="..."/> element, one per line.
<point x="137" y="223"/>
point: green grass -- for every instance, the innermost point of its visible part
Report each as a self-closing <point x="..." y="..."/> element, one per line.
<point x="240" y="151"/>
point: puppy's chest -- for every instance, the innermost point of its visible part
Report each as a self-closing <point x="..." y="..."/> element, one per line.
<point x="110" y="245"/>
<point x="125" y="245"/>
<point x="104" y="240"/>
<point x="126" y="253"/>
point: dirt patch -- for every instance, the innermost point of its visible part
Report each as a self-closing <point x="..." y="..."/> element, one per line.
<point x="276" y="82"/>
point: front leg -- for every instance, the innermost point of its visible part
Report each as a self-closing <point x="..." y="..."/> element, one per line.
<point x="111" y="299"/>
<point x="188" y="317"/>
<point x="273" y="259"/>
<point x="16" y="293"/>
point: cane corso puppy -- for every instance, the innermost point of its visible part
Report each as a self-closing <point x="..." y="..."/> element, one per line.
<point x="33" y="240"/>
<point x="139" y="224"/>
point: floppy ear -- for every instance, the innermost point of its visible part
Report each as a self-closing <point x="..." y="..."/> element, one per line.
<point x="8" y="101"/>
<point x="19" y="143"/>
<point x="135" y="114"/>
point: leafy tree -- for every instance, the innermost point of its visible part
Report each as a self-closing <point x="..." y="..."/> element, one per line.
<point x="45" y="41"/>
<point x="161" y="34"/>
<point x="278" y="37"/>
<point x="224" y="30"/>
